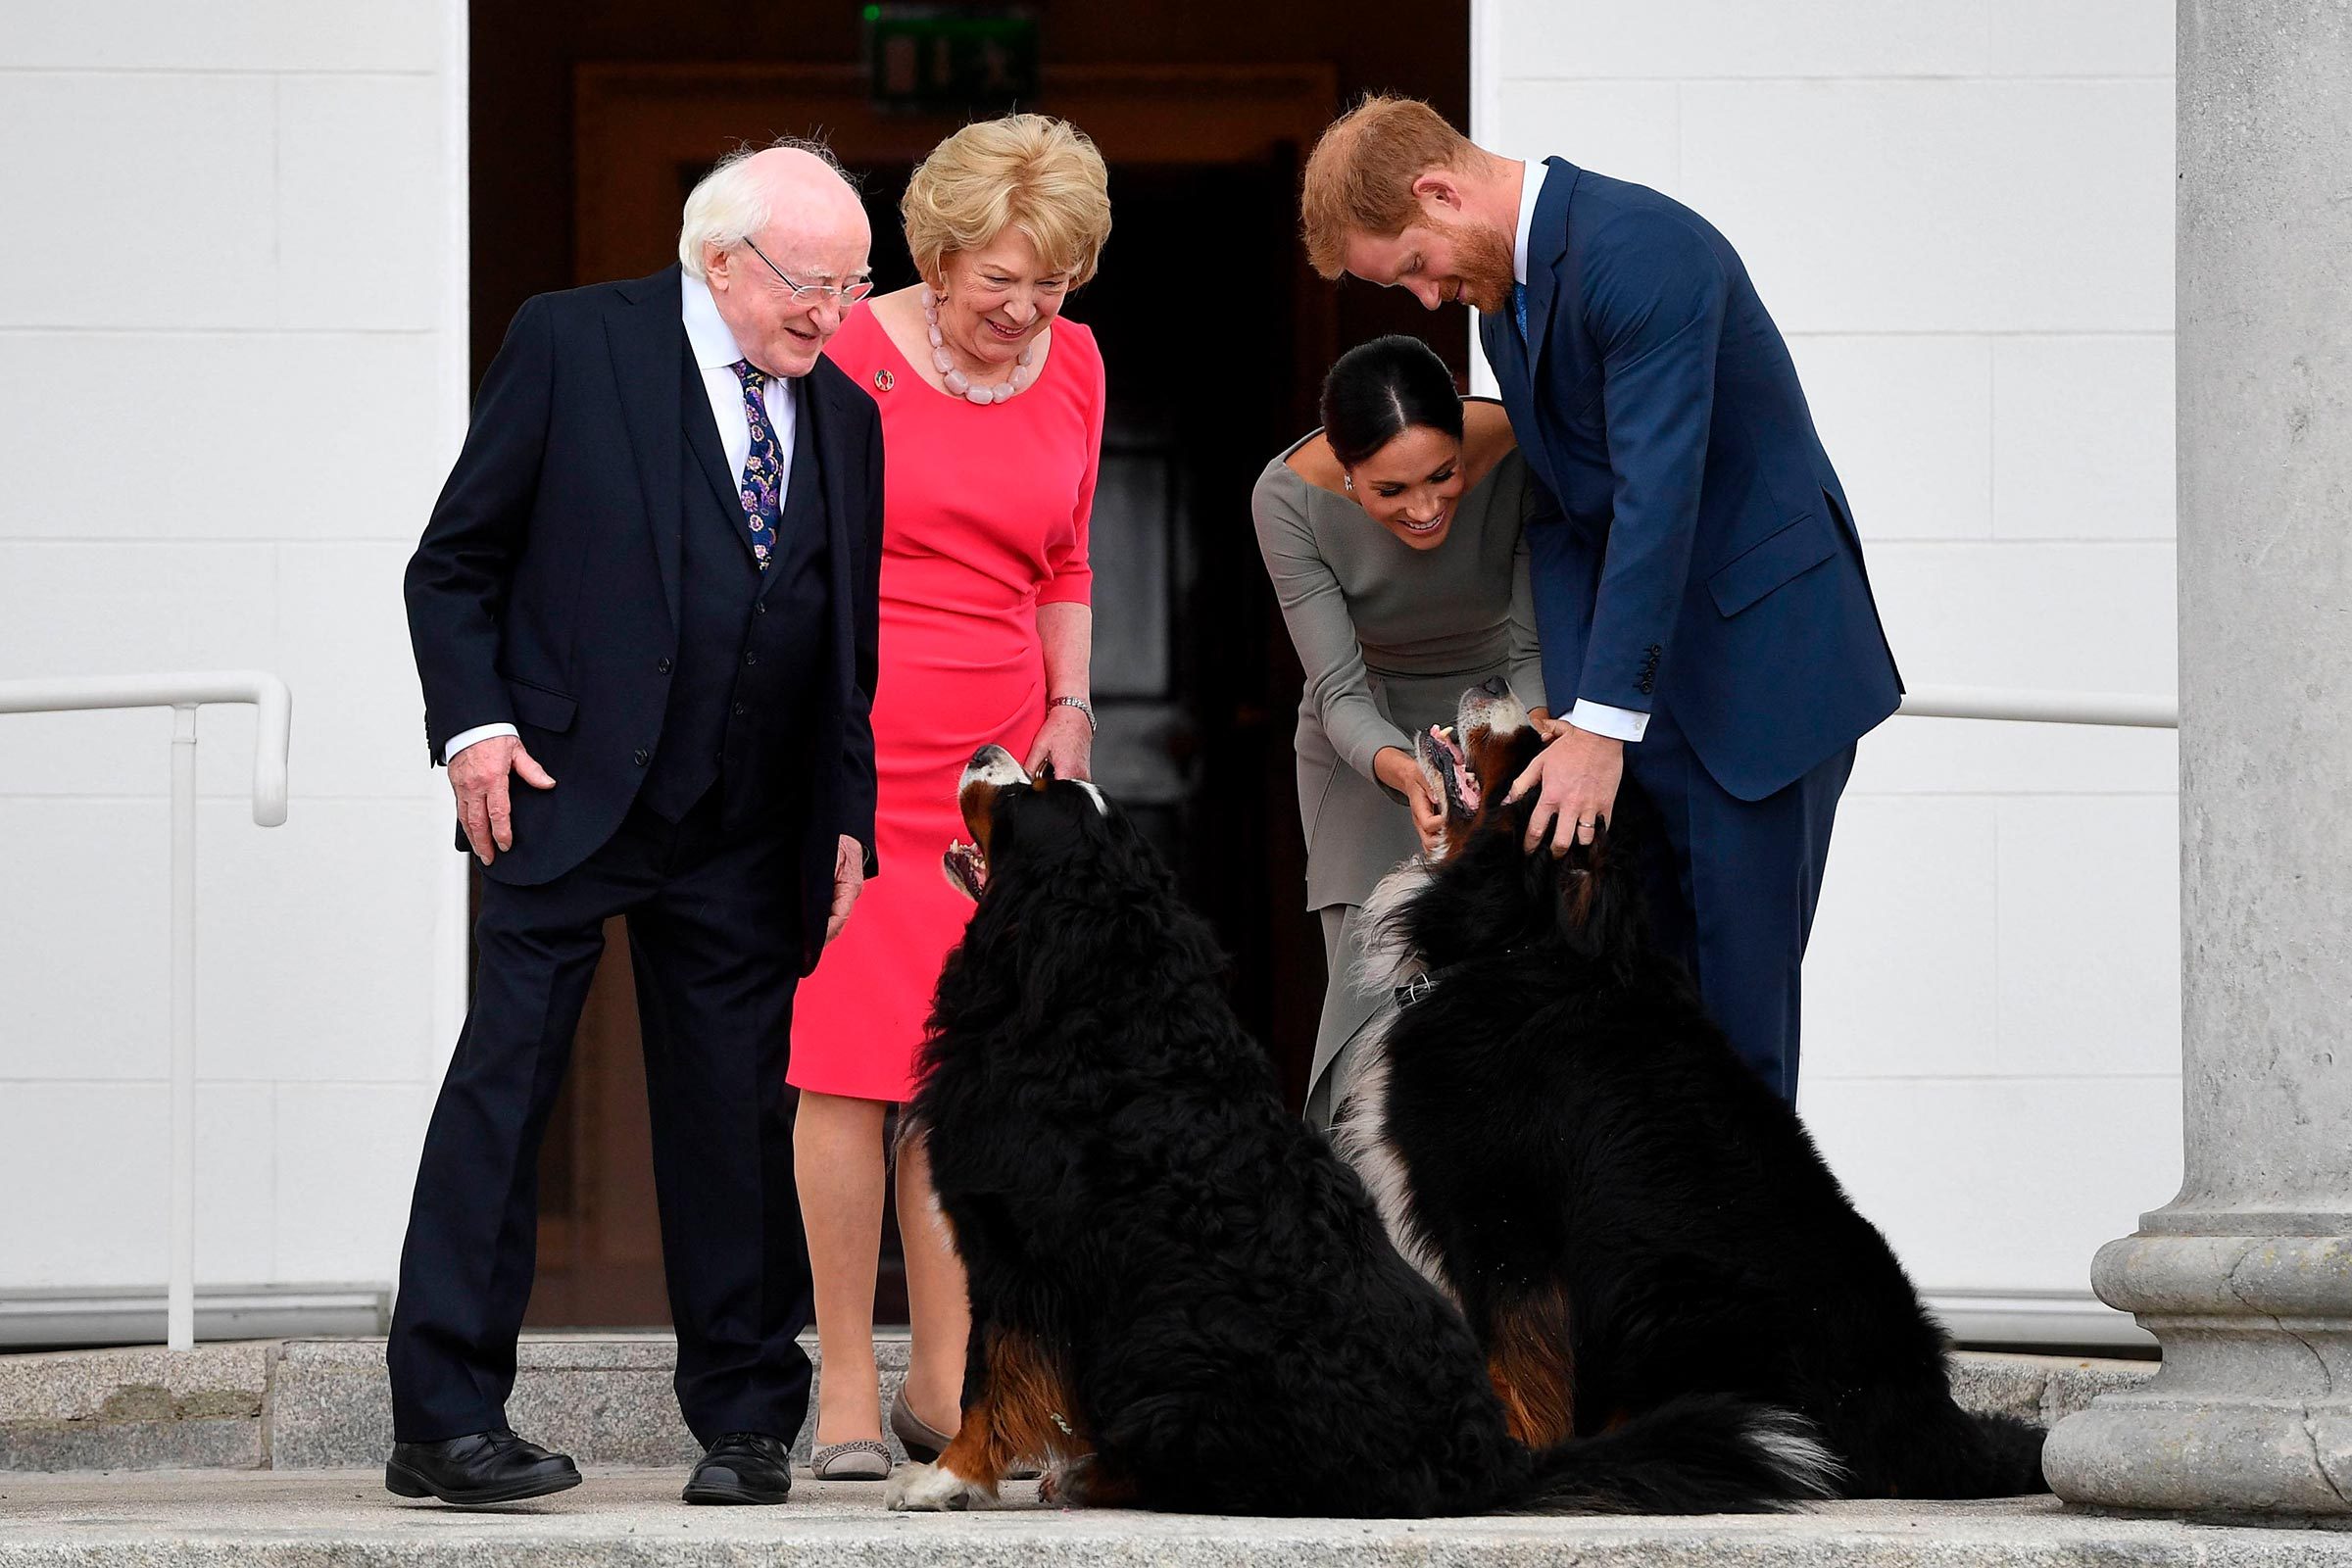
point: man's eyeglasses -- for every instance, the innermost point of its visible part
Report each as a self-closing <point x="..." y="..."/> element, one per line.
<point x="805" y="293"/>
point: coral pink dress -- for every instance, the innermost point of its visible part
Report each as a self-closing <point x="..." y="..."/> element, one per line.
<point x="984" y="518"/>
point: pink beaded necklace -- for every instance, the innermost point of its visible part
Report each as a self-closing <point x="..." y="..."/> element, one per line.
<point x="960" y="384"/>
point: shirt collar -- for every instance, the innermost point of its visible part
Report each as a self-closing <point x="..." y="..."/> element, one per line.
<point x="706" y="329"/>
<point x="1531" y="185"/>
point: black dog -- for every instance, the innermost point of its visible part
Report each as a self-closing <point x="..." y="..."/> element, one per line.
<point x="1180" y="1296"/>
<point x="1559" y="1138"/>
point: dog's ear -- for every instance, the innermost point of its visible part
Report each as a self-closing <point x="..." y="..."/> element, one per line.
<point x="1598" y="913"/>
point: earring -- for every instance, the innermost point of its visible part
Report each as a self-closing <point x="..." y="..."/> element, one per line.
<point x="1347" y="480"/>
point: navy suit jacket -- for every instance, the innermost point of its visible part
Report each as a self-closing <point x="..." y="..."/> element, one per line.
<point x="545" y="591"/>
<point x="1702" y="561"/>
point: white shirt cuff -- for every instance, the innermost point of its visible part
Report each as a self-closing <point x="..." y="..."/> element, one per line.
<point x="1599" y="718"/>
<point x="459" y="742"/>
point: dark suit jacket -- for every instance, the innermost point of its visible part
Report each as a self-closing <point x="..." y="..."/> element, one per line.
<point x="1704" y="561"/>
<point x="545" y="591"/>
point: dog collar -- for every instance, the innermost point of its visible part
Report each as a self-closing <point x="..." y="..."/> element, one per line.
<point x="1418" y="988"/>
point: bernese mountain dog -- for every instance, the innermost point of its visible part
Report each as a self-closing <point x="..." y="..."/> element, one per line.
<point x="1559" y="1138"/>
<point x="1181" y="1298"/>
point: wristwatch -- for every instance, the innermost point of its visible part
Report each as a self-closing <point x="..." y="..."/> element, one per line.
<point x="1080" y="703"/>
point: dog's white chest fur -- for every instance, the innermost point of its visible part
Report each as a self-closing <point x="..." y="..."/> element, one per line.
<point x="1361" y="1127"/>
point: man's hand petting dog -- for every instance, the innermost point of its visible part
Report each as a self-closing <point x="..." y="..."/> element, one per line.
<point x="478" y="777"/>
<point x="1065" y="740"/>
<point x="849" y="880"/>
<point x="1577" y="774"/>
<point x="1400" y="772"/>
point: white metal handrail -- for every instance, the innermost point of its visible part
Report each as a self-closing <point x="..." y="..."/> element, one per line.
<point x="274" y="714"/>
<point x="2131" y="710"/>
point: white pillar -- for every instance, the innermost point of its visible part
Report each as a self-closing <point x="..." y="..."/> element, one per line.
<point x="2246" y="1276"/>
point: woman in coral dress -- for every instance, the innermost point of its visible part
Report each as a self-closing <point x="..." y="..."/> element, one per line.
<point x="992" y="423"/>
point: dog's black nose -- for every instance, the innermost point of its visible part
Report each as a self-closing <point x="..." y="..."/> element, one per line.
<point x="1496" y="686"/>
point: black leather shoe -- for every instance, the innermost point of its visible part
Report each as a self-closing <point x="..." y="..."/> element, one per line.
<point x="743" y="1467"/>
<point x="485" y="1467"/>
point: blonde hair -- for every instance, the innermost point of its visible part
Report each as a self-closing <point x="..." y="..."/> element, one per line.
<point x="1360" y="178"/>
<point x="1032" y="173"/>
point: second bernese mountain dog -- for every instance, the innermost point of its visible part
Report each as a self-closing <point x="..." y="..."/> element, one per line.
<point x="1181" y="1298"/>
<point x="1562" y="1140"/>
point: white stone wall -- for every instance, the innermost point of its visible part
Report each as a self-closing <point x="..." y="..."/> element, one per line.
<point x="1961" y="213"/>
<point x="233" y="371"/>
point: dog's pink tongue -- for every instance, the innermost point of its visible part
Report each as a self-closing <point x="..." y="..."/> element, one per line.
<point x="1464" y="779"/>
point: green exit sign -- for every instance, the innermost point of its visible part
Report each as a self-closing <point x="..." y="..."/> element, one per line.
<point x="949" y="59"/>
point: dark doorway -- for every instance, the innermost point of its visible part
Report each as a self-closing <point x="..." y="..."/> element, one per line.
<point x="1215" y="337"/>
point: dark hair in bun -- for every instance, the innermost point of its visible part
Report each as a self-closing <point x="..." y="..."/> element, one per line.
<point x="1380" y="389"/>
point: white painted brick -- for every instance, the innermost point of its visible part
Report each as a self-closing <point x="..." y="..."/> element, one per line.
<point x="1903" y="938"/>
<point x="270" y="435"/>
<point x="2083" y="37"/>
<point x="85" y="1166"/>
<point x="226" y="36"/>
<point x="131" y="609"/>
<point x="1627" y="130"/>
<point x="1971" y="207"/>
<point x="2057" y="617"/>
<point x="314" y="941"/>
<point x="2083" y="438"/>
<point x="1973" y="756"/>
<point x="360" y="203"/>
<point x="345" y="643"/>
<point x="1696" y="38"/>
<point x="79" y="609"/>
<point x="148" y="201"/>
<point x="236" y="1183"/>
<point x="1908" y="421"/>
<point x="346" y="1167"/>
<point x="2090" y="936"/>
<point x="2000" y="1184"/>
<point x="86" y="925"/>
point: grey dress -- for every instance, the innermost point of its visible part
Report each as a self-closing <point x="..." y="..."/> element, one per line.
<point x="1389" y="637"/>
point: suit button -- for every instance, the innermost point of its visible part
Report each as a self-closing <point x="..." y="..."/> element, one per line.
<point x="663" y="667"/>
<point x="750" y="657"/>
<point x="643" y="757"/>
<point x="758" y="606"/>
<point x="738" y="709"/>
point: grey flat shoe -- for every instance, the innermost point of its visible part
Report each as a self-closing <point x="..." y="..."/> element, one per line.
<point x="865" y="1459"/>
<point x="924" y="1443"/>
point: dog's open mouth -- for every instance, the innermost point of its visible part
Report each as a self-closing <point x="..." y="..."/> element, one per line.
<point x="1447" y="768"/>
<point x="967" y="868"/>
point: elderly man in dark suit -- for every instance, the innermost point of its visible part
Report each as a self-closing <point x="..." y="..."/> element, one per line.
<point x="1706" y="623"/>
<point x="648" y="592"/>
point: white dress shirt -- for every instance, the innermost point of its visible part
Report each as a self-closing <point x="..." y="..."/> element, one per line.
<point x="714" y="355"/>
<point x="1599" y="718"/>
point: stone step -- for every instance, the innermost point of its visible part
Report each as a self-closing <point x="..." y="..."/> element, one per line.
<point x="605" y="1400"/>
<point x="344" y="1519"/>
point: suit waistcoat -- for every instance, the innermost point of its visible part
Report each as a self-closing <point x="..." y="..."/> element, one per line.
<point x="750" y="642"/>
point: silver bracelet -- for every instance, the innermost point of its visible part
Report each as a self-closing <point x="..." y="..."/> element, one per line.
<point x="1080" y="703"/>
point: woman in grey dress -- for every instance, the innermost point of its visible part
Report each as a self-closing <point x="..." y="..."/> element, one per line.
<point x="1392" y="536"/>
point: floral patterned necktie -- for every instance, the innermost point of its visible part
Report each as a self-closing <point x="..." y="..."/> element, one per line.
<point x="763" y="469"/>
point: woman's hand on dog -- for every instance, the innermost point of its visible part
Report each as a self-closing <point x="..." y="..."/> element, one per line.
<point x="1067" y="741"/>
<point x="1401" y="773"/>
<point x="1577" y="774"/>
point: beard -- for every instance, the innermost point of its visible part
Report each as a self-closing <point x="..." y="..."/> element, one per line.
<point x="1483" y="264"/>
